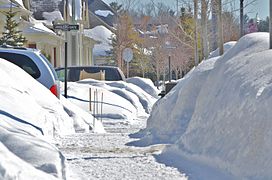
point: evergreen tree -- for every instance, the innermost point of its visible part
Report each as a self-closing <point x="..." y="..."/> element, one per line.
<point x="11" y="36"/>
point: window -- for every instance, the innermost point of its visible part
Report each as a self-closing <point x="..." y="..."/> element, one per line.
<point x="23" y="62"/>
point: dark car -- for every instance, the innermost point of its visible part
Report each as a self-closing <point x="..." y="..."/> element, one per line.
<point x="73" y="73"/>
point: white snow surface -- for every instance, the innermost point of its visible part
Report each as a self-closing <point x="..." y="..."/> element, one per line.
<point x="103" y="13"/>
<point x="99" y="33"/>
<point x="146" y="84"/>
<point x="121" y="100"/>
<point x="31" y="117"/>
<point x="37" y="27"/>
<point x="52" y="16"/>
<point x="103" y="36"/>
<point x="12" y="167"/>
<point x="218" y="117"/>
<point x="227" y="46"/>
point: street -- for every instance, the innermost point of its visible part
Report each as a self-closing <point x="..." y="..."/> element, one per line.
<point x="106" y="156"/>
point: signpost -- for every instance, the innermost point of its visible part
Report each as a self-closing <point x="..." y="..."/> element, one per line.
<point x="65" y="27"/>
<point x="127" y="56"/>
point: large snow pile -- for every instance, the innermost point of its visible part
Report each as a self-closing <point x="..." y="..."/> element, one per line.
<point x="227" y="46"/>
<point x="164" y="123"/>
<point x="30" y="117"/>
<point x="103" y="36"/>
<point x="146" y="84"/>
<point x="121" y="100"/>
<point x="220" y="115"/>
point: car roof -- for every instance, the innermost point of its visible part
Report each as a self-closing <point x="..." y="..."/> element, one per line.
<point x="89" y="67"/>
<point x="18" y="50"/>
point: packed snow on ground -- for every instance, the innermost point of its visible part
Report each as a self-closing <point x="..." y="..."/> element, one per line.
<point x="31" y="116"/>
<point x="226" y="46"/>
<point x="146" y="84"/>
<point x="103" y="36"/>
<point x="218" y="116"/>
<point x="103" y="13"/>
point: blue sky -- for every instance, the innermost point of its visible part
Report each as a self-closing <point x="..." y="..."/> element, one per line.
<point x="260" y="6"/>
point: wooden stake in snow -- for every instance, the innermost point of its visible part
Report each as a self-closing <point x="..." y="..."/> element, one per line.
<point x="101" y="110"/>
<point x="90" y="100"/>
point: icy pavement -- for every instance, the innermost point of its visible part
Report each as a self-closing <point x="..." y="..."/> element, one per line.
<point x="107" y="157"/>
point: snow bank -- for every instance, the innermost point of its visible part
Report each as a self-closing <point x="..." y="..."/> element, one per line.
<point x="227" y="46"/>
<point x="164" y="124"/>
<point x="30" y="117"/>
<point x="224" y="121"/>
<point x="146" y="84"/>
<point x="26" y="116"/>
<point x="145" y="99"/>
<point x="121" y="100"/>
<point x="12" y="167"/>
<point x="114" y="107"/>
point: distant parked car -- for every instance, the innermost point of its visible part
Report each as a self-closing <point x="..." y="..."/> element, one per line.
<point x="74" y="73"/>
<point x="35" y="64"/>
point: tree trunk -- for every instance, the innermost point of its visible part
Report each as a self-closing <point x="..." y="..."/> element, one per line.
<point x="195" y="32"/>
<point x="270" y="24"/>
<point x="220" y="29"/>
<point x="214" y="26"/>
<point x="119" y="58"/>
<point x="241" y="18"/>
<point x="204" y="28"/>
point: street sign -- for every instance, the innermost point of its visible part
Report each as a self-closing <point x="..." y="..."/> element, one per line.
<point x="127" y="54"/>
<point x="66" y="27"/>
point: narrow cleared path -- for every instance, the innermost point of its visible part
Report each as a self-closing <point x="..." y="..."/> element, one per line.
<point x="107" y="157"/>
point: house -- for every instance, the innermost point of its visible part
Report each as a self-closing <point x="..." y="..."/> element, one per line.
<point x="37" y="35"/>
<point x="72" y="12"/>
<point x="102" y="20"/>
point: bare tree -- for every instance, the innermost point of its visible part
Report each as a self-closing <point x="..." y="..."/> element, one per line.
<point x="220" y="27"/>
<point x="241" y="18"/>
<point x="195" y="32"/>
<point x="270" y="24"/>
<point x="204" y="28"/>
<point x="214" y="25"/>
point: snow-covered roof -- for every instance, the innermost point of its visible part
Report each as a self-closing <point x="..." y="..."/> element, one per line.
<point x="20" y="2"/>
<point x="37" y="27"/>
<point x="103" y="13"/>
<point x="14" y="5"/>
<point x="99" y="33"/>
<point x="102" y="35"/>
<point x="52" y="16"/>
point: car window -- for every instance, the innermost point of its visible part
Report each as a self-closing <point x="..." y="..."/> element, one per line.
<point x="23" y="62"/>
<point x="50" y="66"/>
<point x="111" y="74"/>
<point x="61" y="72"/>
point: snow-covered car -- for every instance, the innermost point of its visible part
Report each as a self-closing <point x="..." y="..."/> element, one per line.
<point x="73" y="72"/>
<point x="35" y="64"/>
